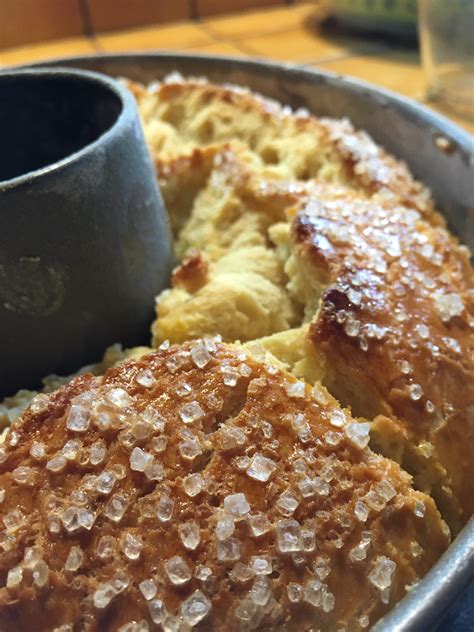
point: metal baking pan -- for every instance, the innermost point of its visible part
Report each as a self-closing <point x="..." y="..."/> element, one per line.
<point x="438" y="153"/>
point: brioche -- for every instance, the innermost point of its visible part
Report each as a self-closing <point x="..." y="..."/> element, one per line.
<point x="199" y="488"/>
<point x="294" y="459"/>
<point x="393" y="326"/>
<point x="376" y="291"/>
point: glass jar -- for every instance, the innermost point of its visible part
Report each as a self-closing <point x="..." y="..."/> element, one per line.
<point x="446" y="30"/>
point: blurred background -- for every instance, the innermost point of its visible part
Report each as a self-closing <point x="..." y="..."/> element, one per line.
<point x="374" y="40"/>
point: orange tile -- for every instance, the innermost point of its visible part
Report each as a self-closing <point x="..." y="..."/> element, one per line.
<point x="43" y="52"/>
<point x="214" y="7"/>
<point x="28" y="21"/>
<point x="262" y="22"/>
<point x="177" y="36"/>
<point x="107" y="15"/>
<point x="217" y="48"/>
<point x="299" y="45"/>
<point x="398" y="71"/>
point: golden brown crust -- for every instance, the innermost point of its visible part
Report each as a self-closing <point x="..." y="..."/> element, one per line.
<point x="213" y="409"/>
<point x="396" y="322"/>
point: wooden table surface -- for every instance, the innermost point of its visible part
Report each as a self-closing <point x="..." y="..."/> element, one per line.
<point x="283" y="33"/>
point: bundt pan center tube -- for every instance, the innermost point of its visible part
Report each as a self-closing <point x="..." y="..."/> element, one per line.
<point x="84" y="239"/>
